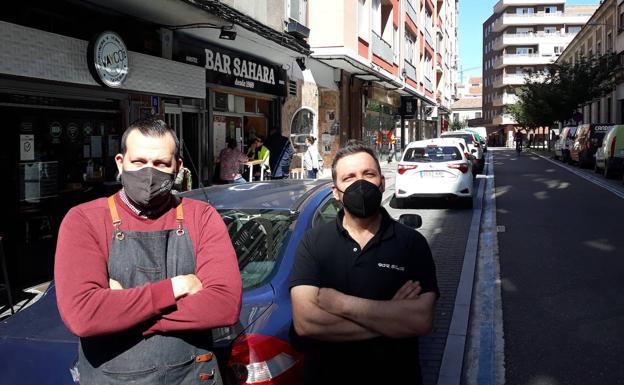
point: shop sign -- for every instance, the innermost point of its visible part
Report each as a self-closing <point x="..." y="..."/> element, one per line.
<point x="233" y="68"/>
<point x="108" y="59"/>
<point x="408" y="106"/>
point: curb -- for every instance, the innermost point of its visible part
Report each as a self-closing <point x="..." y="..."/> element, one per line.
<point x="453" y="357"/>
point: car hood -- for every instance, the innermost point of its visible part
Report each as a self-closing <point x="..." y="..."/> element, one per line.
<point x="37" y="348"/>
<point x="35" y="345"/>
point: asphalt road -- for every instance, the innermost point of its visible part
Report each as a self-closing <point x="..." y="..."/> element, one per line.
<point x="562" y="274"/>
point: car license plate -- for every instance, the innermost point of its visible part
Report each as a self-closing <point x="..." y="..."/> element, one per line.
<point x="432" y="174"/>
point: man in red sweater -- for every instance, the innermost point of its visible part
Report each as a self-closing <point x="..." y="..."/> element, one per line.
<point x="142" y="277"/>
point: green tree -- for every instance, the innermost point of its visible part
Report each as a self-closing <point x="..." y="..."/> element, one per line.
<point x="553" y="95"/>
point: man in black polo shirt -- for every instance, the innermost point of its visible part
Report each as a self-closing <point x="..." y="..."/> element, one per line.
<point x="363" y="288"/>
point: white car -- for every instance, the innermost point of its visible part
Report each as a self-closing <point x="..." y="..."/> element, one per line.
<point x="434" y="168"/>
<point x="473" y="144"/>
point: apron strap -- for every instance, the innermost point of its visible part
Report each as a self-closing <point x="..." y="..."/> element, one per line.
<point x="117" y="221"/>
<point x="180" y="219"/>
<point x="115" y="216"/>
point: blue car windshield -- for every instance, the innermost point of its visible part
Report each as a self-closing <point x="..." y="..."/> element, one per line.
<point x="259" y="238"/>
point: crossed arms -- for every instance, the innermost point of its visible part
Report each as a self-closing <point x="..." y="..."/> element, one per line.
<point x="329" y="315"/>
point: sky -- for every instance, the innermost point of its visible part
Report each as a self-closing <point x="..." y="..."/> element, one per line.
<point x="472" y="14"/>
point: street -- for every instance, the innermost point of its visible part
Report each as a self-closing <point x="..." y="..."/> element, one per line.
<point x="561" y="274"/>
<point x="546" y="307"/>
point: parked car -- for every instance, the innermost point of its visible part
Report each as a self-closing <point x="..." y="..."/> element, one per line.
<point x="434" y="168"/>
<point x="482" y="131"/>
<point x="564" y="143"/>
<point x="588" y="139"/>
<point x="473" y="145"/>
<point x="265" y="221"/>
<point x="559" y="142"/>
<point x="610" y="156"/>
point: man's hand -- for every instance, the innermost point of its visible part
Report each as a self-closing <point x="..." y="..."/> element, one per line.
<point x="330" y="300"/>
<point x="114" y="285"/>
<point x="410" y="290"/>
<point x="185" y="285"/>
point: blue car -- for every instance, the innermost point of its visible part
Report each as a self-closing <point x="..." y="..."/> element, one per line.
<point x="265" y="221"/>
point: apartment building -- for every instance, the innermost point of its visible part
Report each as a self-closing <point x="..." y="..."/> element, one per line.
<point x="602" y="34"/>
<point x="523" y="36"/>
<point x="395" y="62"/>
<point x="473" y="88"/>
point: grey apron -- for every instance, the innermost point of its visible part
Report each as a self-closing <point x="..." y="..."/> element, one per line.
<point x="135" y="259"/>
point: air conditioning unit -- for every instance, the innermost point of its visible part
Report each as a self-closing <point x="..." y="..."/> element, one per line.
<point x="295" y="28"/>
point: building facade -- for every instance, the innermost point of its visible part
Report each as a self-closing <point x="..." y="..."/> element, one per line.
<point x="394" y="62"/>
<point x="522" y="36"/>
<point x="473" y="88"/>
<point x="600" y="36"/>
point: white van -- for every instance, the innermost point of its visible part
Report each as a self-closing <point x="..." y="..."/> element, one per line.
<point x="483" y="134"/>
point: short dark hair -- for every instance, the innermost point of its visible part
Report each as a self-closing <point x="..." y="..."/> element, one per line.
<point x="231" y="143"/>
<point x="260" y="138"/>
<point x="353" y="147"/>
<point x="150" y="127"/>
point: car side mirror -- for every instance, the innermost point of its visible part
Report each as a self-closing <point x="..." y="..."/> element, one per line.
<point x="411" y="220"/>
<point x="474" y="151"/>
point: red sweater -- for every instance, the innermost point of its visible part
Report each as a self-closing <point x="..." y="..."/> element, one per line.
<point x="89" y="307"/>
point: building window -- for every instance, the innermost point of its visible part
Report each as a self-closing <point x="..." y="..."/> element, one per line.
<point x="298" y="10"/>
<point x="550" y="29"/>
<point x="477" y="115"/>
<point x="410" y="42"/>
<point x="620" y="18"/>
<point x="525" y="11"/>
<point x="574" y="29"/>
<point x="302" y="126"/>
<point x="550" y="9"/>
<point x="609" y="42"/>
<point x="363" y="19"/>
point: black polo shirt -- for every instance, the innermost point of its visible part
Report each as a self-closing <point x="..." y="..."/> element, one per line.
<point x="328" y="257"/>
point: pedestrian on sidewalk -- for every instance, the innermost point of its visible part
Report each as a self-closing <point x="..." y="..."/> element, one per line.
<point x="364" y="287"/>
<point x="282" y="152"/>
<point x="311" y="163"/>
<point x="143" y="276"/>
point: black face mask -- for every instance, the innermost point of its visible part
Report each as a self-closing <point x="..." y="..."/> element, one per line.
<point x="362" y="198"/>
<point x="148" y="187"/>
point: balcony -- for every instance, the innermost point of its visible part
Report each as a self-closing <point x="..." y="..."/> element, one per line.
<point x="411" y="12"/>
<point x="508" y="80"/>
<point x="503" y="119"/>
<point x="382" y="48"/>
<point x="502" y="4"/>
<point x="428" y="37"/>
<point x="539" y="18"/>
<point x="532" y="39"/>
<point x="410" y="70"/>
<point x="523" y="59"/>
<point x="504" y="99"/>
<point x="428" y="84"/>
<point x="438" y="65"/>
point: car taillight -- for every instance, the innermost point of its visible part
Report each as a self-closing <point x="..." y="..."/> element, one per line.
<point x="263" y="360"/>
<point x="475" y="143"/>
<point x="463" y="167"/>
<point x="613" y="147"/>
<point x="401" y="168"/>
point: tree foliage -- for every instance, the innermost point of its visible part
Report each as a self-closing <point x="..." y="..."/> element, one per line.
<point x="554" y="94"/>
